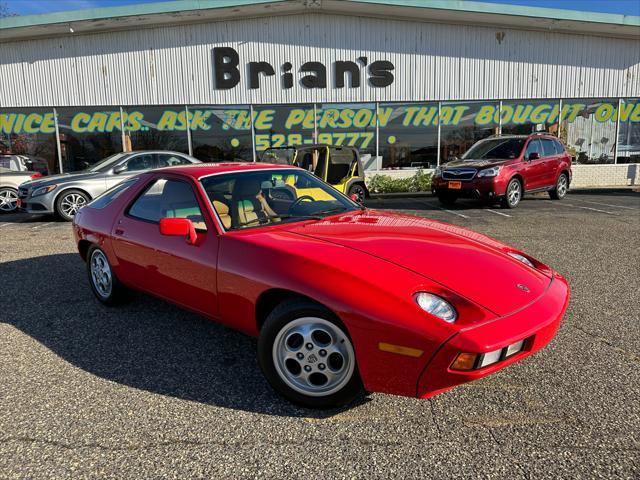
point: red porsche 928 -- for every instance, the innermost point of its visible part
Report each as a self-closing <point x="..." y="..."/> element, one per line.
<point x="342" y="298"/>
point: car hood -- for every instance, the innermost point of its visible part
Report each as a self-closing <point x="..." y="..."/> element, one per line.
<point x="61" y="178"/>
<point x="481" y="163"/>
<point x="468" y="263"/>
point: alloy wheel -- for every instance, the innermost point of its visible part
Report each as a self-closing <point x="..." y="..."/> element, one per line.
<point x="71" y="203"/>
<point x="101" y="274"/>
<point x="561" y="187"/>
<point x="313" y="356"/>
<point x="8" y="200"/>
<point x="513" y="193"/>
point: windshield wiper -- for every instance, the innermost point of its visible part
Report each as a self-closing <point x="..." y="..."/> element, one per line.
<point x="329" y="211"/>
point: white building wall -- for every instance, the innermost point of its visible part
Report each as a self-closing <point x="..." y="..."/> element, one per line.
<point x="173" y="65"/>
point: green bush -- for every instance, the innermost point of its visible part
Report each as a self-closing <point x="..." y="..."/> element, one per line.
<point x="420" y="182"/>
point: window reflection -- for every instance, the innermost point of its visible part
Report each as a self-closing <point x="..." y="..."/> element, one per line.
<point x="629" y="132"/>
<point x="589" y="129"/>
<point x="156" y="128"/>
<point x="221" y="134"/>
<point x="463" y="124"/>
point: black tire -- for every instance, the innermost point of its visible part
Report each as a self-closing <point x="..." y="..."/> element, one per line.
<point x="447" y="199"/>
<point x="513" y="194"/>
<point x="69" y="202"/>
<point x="561" y="188"/>
<point x="280" y="326"/>
<point x="117" y="293"/>
<point x="8" y="200"/>
<point x="359" y="190"/>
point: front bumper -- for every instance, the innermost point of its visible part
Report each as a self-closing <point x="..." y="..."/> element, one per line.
<point x="483" y="187"/>
<point x="39" y="204"/>
<point x="537" y="323"/>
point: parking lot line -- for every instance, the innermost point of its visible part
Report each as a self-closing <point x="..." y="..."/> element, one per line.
<point x="564" y="204"/>
<point x="452" y="212"/>
<point x="498" y="213"/>
<point x="42" y="225"/>
<point x="608" y="205"/>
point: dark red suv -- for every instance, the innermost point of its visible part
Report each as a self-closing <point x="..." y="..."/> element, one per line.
<point x="504" y="167"/>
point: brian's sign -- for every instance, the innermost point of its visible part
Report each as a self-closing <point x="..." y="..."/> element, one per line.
<point x="314" y="74"/>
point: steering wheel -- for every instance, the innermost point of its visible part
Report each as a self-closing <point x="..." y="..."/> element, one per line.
<point x="299" y="200"/>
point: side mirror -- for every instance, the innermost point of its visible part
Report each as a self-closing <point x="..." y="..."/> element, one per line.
<point x="533" y="156"/>
<point x="120" y="168"/>
<point x="179" y="227"/>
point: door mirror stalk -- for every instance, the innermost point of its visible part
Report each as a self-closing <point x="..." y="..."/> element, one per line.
<point x="119" y="168"/>
<point x="533" y="156"/>
<point x="179" y="227"/>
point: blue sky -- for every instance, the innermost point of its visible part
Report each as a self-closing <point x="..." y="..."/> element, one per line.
<point x="30" y="7"/>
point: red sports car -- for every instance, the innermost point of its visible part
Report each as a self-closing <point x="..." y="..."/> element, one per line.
<point x="341" y="298"/>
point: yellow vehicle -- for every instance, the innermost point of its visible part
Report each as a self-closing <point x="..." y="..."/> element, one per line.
<point x="340" y="167"/>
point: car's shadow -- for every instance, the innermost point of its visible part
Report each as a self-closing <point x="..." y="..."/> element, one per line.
<point x="146" y="344"/>
<point x="21" y="217"/>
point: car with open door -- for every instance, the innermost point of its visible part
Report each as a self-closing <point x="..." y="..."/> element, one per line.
<point x="342" y="299"/>
<point x="339" y="166"/>
<point x="502" y="168"/>
<point x="66" y="193"/>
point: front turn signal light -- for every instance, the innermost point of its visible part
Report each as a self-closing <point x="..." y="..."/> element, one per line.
<point x="464" y="361"/>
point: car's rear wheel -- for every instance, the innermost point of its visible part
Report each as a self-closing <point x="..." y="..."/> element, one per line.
<point x="513" y="195"/>
<point x="561" y="188"/>
<point x="8" y="200"/>
<point x="358" y="190"/>
<point x="447" y="199"/>
<point x="68" y="203"/>
<point x="307" y="356"/>
<point x="104" y="283"/>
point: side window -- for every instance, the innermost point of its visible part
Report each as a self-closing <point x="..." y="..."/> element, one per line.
<point x="143" y="161"/>
<point x="169" y="160"/>
<point x="559" y="147"/>
<point x="168" y="199"/>
<point x="548" y="147"/>
<point x="110" y="195"/>
<point x="533" y="146"/>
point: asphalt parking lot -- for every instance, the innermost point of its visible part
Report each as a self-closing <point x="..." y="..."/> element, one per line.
<point x="149" y="390"/>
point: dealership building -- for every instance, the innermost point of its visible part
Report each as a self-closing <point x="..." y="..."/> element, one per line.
<point x="410" y="83"/>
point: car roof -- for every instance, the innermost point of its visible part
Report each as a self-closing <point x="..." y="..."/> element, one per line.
<point x="199" y="170"/>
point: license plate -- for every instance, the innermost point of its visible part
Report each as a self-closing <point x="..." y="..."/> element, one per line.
<point x="455" y="185"/>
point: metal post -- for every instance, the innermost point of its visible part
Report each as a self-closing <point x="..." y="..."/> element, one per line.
<point x="58" y="146"/>
<point x="315" y="124"/>
<point x="439" y="146"/>
<point x="378" y="159"/>
<point x="123" y="136"/>
<point x="253" y="133"/>
<point x="559" y="117"/>
<point x="188" y="122"/>
<point x="500" y="118"/>
<point x="615" y="148"/>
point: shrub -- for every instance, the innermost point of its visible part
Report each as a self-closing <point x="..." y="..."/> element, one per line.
<point x="420" y="182"/>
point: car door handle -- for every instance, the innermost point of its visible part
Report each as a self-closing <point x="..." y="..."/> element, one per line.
<point x="119" y="231"/>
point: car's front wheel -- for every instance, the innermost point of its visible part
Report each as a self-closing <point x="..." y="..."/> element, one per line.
<point x="8" y="200"/>
<point x="68" y="203"/>
<point x="513" y="195"/>
<point x="104" y="283"/>
<point x="307" y="356"/>
<point x="561" y="188"/>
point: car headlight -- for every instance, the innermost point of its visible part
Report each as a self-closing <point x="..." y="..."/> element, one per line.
<point x="436" y="306"/>
<point x="43" y="190"/>
<point x="489" y="172"/>
<point x="522" y="259"/>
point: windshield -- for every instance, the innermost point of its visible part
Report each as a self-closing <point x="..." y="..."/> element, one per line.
<point x="496" y="148"/>
<point x="281" y="156"/>
<point x="267" y="197"/>
<point x="106" y="164"/>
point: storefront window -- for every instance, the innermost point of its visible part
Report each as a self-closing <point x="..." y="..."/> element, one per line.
<point x="87" y="135"/>
<point x="156" y="128"/>
<point x="589" y="130"/>
<point x="629" y="133"/>
<point x="221" y="133"/>
<point x="352" y="125"/>
<point x="279" y="126"/>
<point x="28" y="140"/>
<point x="408" y="135"/>
<point x="523" y="117"/>
<point x="463" y="124"/>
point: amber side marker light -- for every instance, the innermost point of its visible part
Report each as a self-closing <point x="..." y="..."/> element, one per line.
<point x="464" y="361"/>
<point x="400" y="350"/>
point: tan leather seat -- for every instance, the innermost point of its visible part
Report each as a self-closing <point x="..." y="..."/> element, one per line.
<point x="245" y="207"/>
<point x="223" y="213"/>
